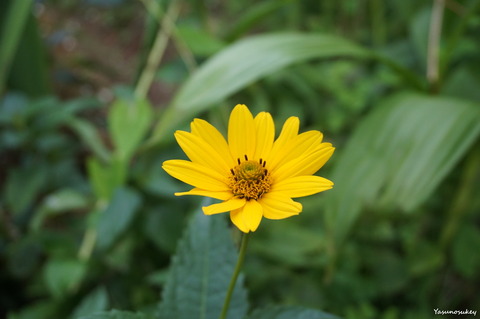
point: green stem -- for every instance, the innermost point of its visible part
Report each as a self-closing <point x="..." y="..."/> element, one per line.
<point x="158" y="48"/>
<point x="236" y="272"/>
<point x="433" y="54"/>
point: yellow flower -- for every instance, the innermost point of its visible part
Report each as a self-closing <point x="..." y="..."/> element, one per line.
<point x="254" y="175"/>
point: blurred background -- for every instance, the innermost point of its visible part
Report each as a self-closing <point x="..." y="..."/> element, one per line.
<point x="91" y="92"/>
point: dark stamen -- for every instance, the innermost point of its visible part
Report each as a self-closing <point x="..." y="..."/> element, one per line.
<point x="246" y="158"/>
<point x="260" y="161"/>
<point x="231" y="170"/>
<point x="238" y="160"/>
<point x="264" y="163"/>
<point x="266" y="171"/>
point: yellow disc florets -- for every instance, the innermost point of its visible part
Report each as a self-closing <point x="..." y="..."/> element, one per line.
<point x="249" y="179"/>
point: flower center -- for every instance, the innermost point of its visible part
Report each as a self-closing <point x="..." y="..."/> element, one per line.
<point x="249" y="179"/>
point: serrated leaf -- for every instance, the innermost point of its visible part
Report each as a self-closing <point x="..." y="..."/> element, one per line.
<point x="398" y="155"/>
<point x="117" y="217"/>
<point x="242" y="64"/>
<point x="201" y="272"/>
<point x="284" y="312"/>
<point x="115" y="314"/>
<point x="128" y="122"/>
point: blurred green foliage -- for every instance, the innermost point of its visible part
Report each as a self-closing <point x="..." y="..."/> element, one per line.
<point x="88" y="219"/>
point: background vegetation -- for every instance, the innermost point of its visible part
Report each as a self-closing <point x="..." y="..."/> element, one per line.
<point x="92" y="90"/>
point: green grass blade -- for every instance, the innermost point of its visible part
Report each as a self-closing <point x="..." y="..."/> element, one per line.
<point x="15" y="19"/>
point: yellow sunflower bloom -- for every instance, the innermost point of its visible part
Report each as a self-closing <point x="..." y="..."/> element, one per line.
<point x="253" y="174"/>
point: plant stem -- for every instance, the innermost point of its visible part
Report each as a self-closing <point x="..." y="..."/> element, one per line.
<point x="156" y="53"/>
<point x="434" y="45"/>
<point x="183" y="50"/>
<point x="236" y="272"/>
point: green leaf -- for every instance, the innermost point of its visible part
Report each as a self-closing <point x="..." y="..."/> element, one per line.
<point x="13" y="24"/>
<point x="115" y="314"/>
<point x="63" y="276"/>
<point x="199" y="41"/>
<point x="105" y="178"/>
<point x="128" y="122"/>
<point x="398" y="155"/>
<point x="23" y="185"/>
<point x="163" y="225"/>
<point x="284" y="312"/>
<point x="97" y="300"/>
<point x="244" y="63"/>
<point x="89" y="136"/>
<point x="201" y="272"/>
<point x="59" y="202"/>
<point x="117" y="217"/>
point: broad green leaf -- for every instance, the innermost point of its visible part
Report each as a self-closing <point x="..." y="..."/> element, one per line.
<point x="128" y="122"/>
<point x="284" y="312"/>
<point x="243" y="63"/>
<point x="105" y="178"/>
<point x="201" y="272"/>
<point x="115" y="314"/>
<point x="97" y="300"/>
<point x="398" y="155"/>
<point x="63" y="276"/>
<point x="117" y="216"/>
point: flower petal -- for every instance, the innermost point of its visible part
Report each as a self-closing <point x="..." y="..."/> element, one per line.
<point x="212" y="136"/>
<point x="289" y="131"/>
<point x="252" y="214"/>
<point x="265" y="131"/>
<point x="279" y="206"/>
<point x="196" y="175"/>
<point x="199" y="151"/>
<point x="200" y="192"/>
<point x="297" y="147"/>
<point x="248" y="218"/>
<point x="241" y="132"/>
<point x="236" y="216"/>
<point x="229" y="205"/>
<point x="300" y="186"/>
<point x="306" y="165"/>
